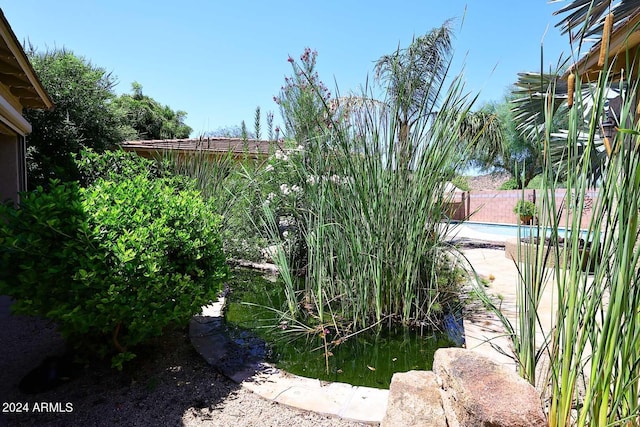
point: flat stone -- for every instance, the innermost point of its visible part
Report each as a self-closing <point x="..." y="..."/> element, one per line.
<point x="414" y="401"/>
<point x="208" y="337"/>
<point x="479" y="392"/>
<point x="214" y="309"/>
<point x="367" y="404"/>
<point x="313" y="396"/>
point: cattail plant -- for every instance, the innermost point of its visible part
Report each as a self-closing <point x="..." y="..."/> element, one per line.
<point x="374" y="217"/>
<point x="571" y="87"/>
<point x="604" y="42"/>
<point x="593" y="347"/>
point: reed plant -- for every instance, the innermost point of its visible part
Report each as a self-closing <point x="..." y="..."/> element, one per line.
<point x="229" y="179"/>
<point x="593" y="347"/>
<point x="374" y="211"/>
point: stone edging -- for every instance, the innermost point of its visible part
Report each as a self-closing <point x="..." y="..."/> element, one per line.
<point x="356" y="403"/>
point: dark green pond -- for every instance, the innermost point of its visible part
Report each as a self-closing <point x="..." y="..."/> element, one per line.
<point x="367" y="359"/>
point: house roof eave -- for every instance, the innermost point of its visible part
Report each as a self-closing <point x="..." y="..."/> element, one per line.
<point x="18" y="73"/>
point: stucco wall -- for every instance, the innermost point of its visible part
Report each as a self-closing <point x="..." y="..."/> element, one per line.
<point x="497" y="206"/>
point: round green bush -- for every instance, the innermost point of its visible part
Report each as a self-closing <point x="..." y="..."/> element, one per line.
<point x="462" y="182"/>
<point x="113" y="264"/>
<point x="510" y="184"/>
<point x="535" y="183"/>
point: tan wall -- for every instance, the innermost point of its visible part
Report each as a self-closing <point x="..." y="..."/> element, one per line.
<point x="497" y="206"/>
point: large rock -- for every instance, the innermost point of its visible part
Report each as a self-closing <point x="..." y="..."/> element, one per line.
<point x="479" y="392"/>
<point x="414" y="400"/>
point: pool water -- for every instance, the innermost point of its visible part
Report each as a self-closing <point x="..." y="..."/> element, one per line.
<point x="367" y="359"/>
<point x="510" y="230"/>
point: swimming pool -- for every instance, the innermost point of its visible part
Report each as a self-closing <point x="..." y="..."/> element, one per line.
<point x="510" y="230"/>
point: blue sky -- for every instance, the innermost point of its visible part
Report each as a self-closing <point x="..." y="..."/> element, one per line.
<point x="219" y="60"/>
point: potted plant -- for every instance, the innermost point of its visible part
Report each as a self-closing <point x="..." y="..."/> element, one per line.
<point x="526" y="210"/>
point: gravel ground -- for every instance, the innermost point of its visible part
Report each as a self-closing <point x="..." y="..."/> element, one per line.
<point x="491" y="181"/>
<point x="169" y="385"/>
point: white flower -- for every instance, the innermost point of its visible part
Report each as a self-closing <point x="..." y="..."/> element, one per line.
<point x="296" y="189"/>
<point x="299" y="148"/>
<point x="312" y="179"/>
<point x="284" y="189"/>
<point x="269" y="168"/>
<point x="335" y="178"/>
<point x="281" y="156"/>
<point x="270" y="196"/>
<point x="285" y="234"/>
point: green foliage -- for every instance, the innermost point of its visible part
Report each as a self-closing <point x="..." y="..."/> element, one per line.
<point x="484" y="140"/>
<point x="522" y="155"/>
<point x="413" y="76"/>
<point x="586" y="364"/>
<point x="119" y="164"/>
<point x="524" y="208"/>
<point x="149" y="118"/>
<point x="535" y="183"/>
<point x="510" y="184"/>
<point x="84" y="115"/>
<point x="304" y="99"/>
<point x="374" y="233"/>
<point x="462" y="182"/>
<point x="112" y="264"/>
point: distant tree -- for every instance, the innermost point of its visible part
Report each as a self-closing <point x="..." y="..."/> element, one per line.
<point x="84" y="115"/>
<point x="522" y="156"/>
<point x="149" y="118"/>
<point x="484" y="139"/>
<point x="230" y="132"/>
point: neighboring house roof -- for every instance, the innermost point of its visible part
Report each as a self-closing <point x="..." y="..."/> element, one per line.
<point x="253" y="147"/>
<point x="16" y="72"/>
<point x="625" y="37"/>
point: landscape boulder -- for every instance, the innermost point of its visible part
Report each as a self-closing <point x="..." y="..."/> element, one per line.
<point x="476" y="391"/>
<point x="414" y="401"/>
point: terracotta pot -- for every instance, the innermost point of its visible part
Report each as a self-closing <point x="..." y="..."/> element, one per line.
<point x="526" y="219"/>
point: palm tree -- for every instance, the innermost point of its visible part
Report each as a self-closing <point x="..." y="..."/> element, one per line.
<point x="585" y="18"/>
<point x="535" y="92"/>
<point x="483" y="139"/>
<point x="414" y="77"/>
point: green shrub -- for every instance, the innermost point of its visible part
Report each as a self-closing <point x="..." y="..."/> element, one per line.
<point x="524" y="208"/>
<point x="510" y="184"/>
<point x="118" y="165"/>
<point x="112" y="264"/>
<point x="535" y="183"/>
<point x="462" y="182"/>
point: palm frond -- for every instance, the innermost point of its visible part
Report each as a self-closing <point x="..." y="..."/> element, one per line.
<point x="533" y="93"/>
<point x="585" y="18"/>
<point x="414" y="74"/>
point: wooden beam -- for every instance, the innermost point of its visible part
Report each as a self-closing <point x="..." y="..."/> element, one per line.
<point x="26" y="92"/>
<point x="15" y="80"/>
<point x="10" y="69"/>
<point x="35" y="103"/>
<point x="4" y="129"/>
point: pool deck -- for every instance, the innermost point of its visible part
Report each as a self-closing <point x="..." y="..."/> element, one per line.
<point x="368" y="405"/>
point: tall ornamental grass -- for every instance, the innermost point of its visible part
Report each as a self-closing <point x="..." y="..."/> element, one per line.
<point x="374" y="216"/>
<point x="593" y="348"/>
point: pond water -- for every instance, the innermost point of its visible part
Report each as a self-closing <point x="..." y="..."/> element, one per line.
<point x="367" y="359"/>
